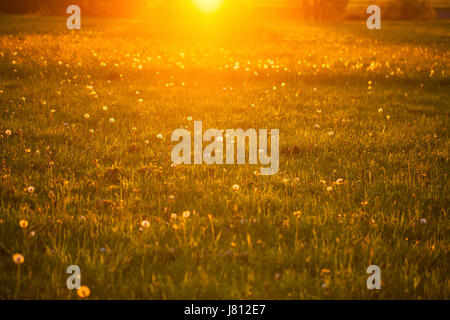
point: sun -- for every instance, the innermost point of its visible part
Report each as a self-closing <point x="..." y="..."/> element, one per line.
<point x="208" y="6"/>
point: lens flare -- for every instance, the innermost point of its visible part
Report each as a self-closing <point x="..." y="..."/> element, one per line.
<point x="208" y="6"/>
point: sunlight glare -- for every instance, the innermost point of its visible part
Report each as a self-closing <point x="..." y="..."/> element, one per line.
<point x="208" y="6"/>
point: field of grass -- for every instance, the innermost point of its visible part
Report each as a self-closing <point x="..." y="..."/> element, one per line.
<point x="86" y="119"/>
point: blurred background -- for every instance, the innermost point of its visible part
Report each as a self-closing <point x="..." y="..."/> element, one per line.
<point x="294" y="9"/>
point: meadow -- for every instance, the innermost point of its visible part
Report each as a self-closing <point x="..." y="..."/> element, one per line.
<point x="86" y="177"/>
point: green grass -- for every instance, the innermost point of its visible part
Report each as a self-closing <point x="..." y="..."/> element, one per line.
<point x="92" y="190"/>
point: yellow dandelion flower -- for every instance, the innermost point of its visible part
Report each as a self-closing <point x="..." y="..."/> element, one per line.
<point x="18" y="258"/>
<point x="84" y="292"/>
<point x="23" y="224"/>
<point x="236" y="187"/>
<point x="145" y="223"/>
<point x="186" y="214"/>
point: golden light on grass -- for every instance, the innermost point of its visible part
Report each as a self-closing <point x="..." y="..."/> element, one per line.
<point x="208" y="6"/>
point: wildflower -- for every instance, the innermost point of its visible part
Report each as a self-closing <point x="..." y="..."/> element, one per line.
<point x="236" y="187"/>
<point x="8" y="132"/>
<point x="388" y="117"/>
<point x="27" y="150"/>
<point x="173" y="216"/>
<point x="87" y="116"/>
<point x="189" y="118"/>
<point x="91" y="130"/>
<point x="32" y="234"/>
<point x="297" y="214"/>
<point x="186" y="214"/>
<point x="84" y="292"/>
<point x="23" y="224"/>
<point x="175" y="226"/>
<point x="105" y="108"/>
<point x="159" y="136"/>
<point x="145" y="223"/>
<point x="423" y="221"/>
<point x="30" y="189"/>
<point x="18" y="258"/>
<point x="330" y="133"/>
<point x="111" y="120"/>
<point x="339" y="181"/>
<point x="329" y="189"/>
<point x="364" y="203"/>
<point x="52" y="110"/>
<point x="380" y="110"/>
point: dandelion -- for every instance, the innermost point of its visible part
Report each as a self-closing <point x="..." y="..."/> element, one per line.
<point x="159" y="136"/>
<point x="329" y="189"/>
<point x="186" y="214"/>
<point x="380" y="110"/>
<point x="297" y="214"/>
<point x="339" y="181"/>
<point x="91" y="130"/>
<point x="30" y="189"/>
<point x="105" y="108"/>
<point x="18" y="258"/>
<point x="330" y="133"/>
<point x="175" y="226"/>
<point x="145" y="223"/>
<point x="111" y="120"/>
<point x="236" y="187"/>
<point x="84" y="292"/>
<point x="23" y="224"/>
<point x="87" y="116"/>
<point x="173" y="216"/>
<point x="423" y="221"/>
<point x="8" y="132"/>
<point x="388" y="117"/>
<point x="27" y="150"/>
<point x="364" y="203"/>
<point x="52" y="110"/>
